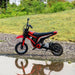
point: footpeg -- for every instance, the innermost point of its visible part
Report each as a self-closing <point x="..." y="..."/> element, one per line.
<point x="34" y="48"/>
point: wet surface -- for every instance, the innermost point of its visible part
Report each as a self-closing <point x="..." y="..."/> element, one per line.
<point x="22" y="66"/>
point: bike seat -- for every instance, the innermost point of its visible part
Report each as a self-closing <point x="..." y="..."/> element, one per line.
<point x="43" y="34"/>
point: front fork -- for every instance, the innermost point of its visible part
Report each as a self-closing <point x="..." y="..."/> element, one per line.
<point x="23" y="41"/>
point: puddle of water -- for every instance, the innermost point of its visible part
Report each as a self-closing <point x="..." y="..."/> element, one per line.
<point x="14" y="66"/>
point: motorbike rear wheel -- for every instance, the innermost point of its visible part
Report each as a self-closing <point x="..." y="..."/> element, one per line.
<point x="19" y="49"/>
<point x="57" y="49"/>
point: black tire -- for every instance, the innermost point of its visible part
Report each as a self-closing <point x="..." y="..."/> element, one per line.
<point x="17" y="50"/>
<point x="57" y="49"/>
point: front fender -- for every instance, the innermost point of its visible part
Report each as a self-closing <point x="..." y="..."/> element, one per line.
<point x="20" y="36"/>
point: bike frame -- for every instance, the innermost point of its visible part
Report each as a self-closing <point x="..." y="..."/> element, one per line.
<point x="21" y="36"/>
<point x="33" y="43"/>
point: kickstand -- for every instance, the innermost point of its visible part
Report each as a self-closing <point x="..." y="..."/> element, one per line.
<point x="45" y="56"/>
<point x="34" y="48"/>
<point x="45" y="52"/>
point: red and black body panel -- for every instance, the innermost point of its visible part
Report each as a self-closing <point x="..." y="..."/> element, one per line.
<point x="42" y="36"/>
<point x="37" y="38"/>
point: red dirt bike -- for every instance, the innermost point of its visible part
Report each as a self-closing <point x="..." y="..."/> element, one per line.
<point x="37" y="40"/>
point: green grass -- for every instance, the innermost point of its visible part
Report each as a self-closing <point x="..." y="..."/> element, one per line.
<point x="63" y="22"/>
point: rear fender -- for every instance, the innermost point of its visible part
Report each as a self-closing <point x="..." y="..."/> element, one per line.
<point x="20" y="36"/>
<point x="55" y="32"/>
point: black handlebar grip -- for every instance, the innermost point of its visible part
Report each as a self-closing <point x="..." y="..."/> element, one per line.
<point x="30" y="26"/>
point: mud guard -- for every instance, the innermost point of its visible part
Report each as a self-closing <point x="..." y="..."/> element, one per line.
<point x="20" y="36"/>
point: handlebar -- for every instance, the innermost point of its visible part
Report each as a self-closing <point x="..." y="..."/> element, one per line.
<point x="27" y="21"/>
<point x="28" y="24"/>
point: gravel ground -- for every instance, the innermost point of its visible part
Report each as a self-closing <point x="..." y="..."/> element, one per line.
<point x="8" y="42"/>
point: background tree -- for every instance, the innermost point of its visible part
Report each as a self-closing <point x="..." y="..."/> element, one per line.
<point x="3" y="4"/>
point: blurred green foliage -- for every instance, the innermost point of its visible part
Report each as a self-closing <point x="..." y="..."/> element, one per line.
<point x="73" y="2"/>
<point x="28" y="7"/>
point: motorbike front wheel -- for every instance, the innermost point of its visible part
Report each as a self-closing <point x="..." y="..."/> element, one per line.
<point x="19" y="49"/>
<point x="57" y="49"/>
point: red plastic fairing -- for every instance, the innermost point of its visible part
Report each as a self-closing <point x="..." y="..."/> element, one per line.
<point x="31" y="32"/>
<point x="20" y="36"/>
<point x="55" y="32"/>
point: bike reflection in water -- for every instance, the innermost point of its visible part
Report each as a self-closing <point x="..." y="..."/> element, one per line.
<point x="38" y="69"/>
